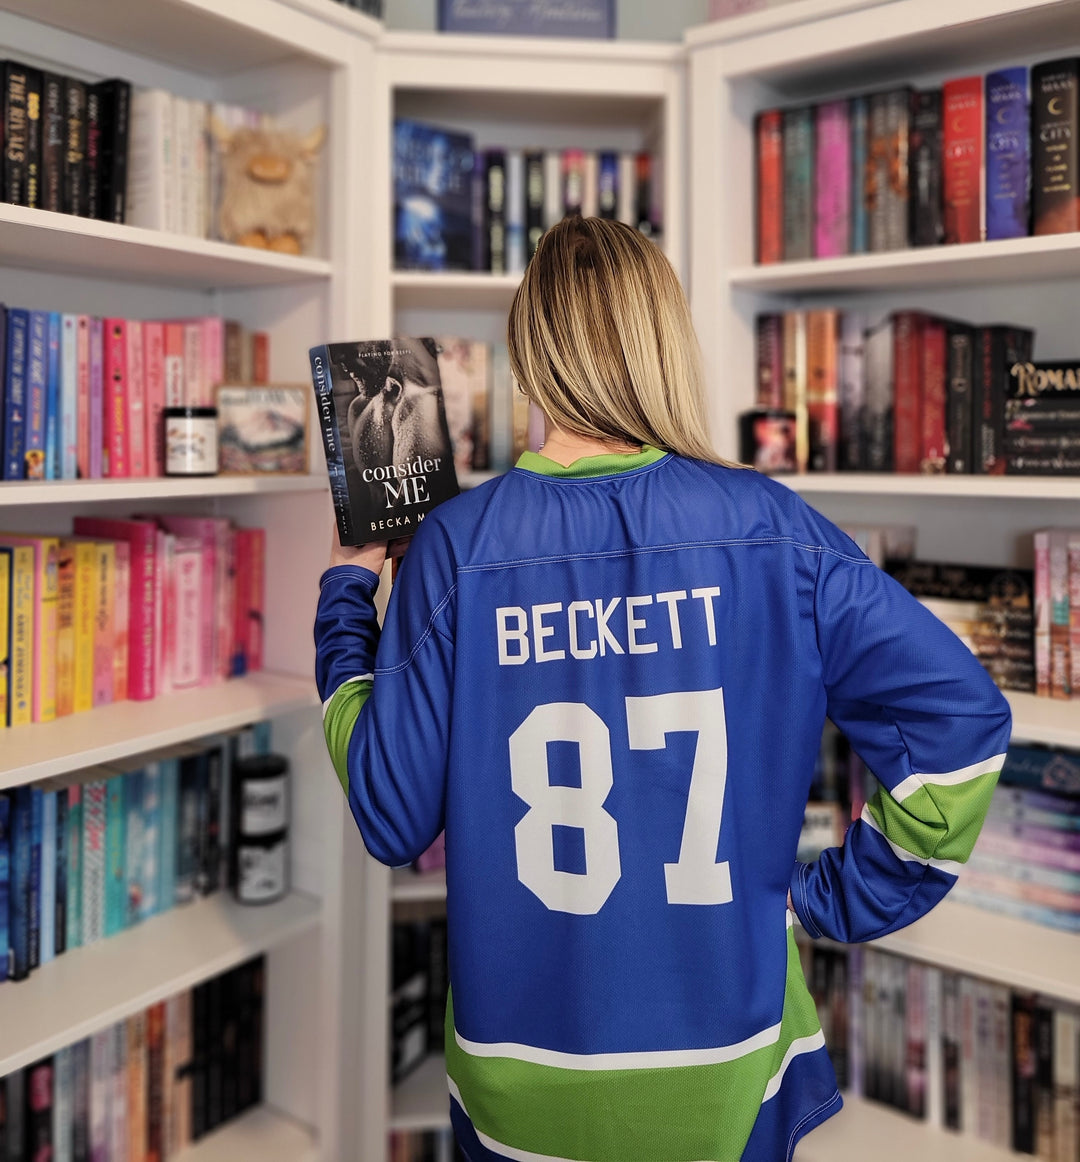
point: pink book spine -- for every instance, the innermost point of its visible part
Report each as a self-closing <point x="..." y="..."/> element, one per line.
<point x="832" y="211"/>
<point x="121" y="614"/>
<point x="256" y="600"/>
<point x="187" y="614"/>
<point x="161" y="598"/>
<point x="97" y="399"/>
<point x="82" y="397"/>
<point x="213" y="345"/>
<point x="117" y="463"/>
<point x="435" y="857"/>
<point x="136" y="399"/>
<point x="174" y="365"/>
<point x="104" y="623"/>
<point x="1074" y="610"/>
<point x="154" y="373"/>
<point x="225" y="599"/>
<point x="242" y="588"/>
<point x="142" y="536"/>
<point x="193" y="364"/>
<point x="1042" y="613"/>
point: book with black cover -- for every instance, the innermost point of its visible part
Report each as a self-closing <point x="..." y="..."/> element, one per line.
<point x="383" y="423"/>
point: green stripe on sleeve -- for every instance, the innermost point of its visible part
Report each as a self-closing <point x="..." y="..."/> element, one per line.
<point x="937" y="821"/>
<point x="339" y="718"/>
<point x="681" y="1113"/>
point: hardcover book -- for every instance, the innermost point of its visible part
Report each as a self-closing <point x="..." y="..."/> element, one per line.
<point x="384" y="429"/>
<point x="15" y="397"/>
<point x="885" y="189"/>
<point x="932" y="457"/>
<point x="859" y="119"/>
<point x="432" y="197"/>
<point x="878" y="412"/>
<point x="798" y="184"/>
<point x="924" y="169"/>
<point x="74" y="146"/>
<point x="769" y="134"/>
<point x="852" y="391"/>
<point x="52" y="142"/>
<point x="823" y="421"/>
<point x="959" y="360"/>
<point x="908" y="330"/>
<point x="1055" y="172"/>
<point x="1008" y="153"/>
<point x="997" y="350"/>
<point x="962" y="111"/>
<point x="832" y="180"/>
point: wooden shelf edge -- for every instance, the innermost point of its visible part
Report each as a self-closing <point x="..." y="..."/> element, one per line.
<point x="43" y="492"/>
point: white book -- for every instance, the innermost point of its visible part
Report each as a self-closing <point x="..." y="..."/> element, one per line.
<point x="184" y="164"/>
<point x="935" y="1074"/>
<point x="152" y="176"/>
<point x="626" y="210"/>
<point x="553" y="204"/>
<point x="69" y="395"/>
<point x="590" y="191"/>
<point x="1066" y="1040"/>
<point x="199" y="128"/>
<point x="515" y="211"/>
<point x="63" y="1107"/>
<point x="101" y="1057"/>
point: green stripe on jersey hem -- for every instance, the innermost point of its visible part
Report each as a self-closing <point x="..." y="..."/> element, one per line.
<point x="937" y="821"/>
<point x="339" y="718"/>
<point x="681" y="1113"/>
<point x="590" y="466"/>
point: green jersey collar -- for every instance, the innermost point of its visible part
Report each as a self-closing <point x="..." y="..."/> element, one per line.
<point x="589" y="466"/>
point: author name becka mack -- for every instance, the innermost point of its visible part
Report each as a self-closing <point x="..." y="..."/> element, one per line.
<point x="597" y="626"/>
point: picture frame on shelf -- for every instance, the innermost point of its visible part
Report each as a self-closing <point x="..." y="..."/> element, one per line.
<point x="262" y="429"/>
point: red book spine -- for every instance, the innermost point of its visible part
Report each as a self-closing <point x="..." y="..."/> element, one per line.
<point x="82" y="397"/>
<point x="136" y="399"/>
<point x="239" y="664"/>
<point x="933" y="397"/>
<point x="116" y="433"/>
<point x="260" y="357"/>
<point x="770" y="360"/>
<point x="907" y="391"/>
<point x="154" y="373"/>
<point x="142" y="537"/>
<point x="770" y="186"/>
<point x="962" y="152"/>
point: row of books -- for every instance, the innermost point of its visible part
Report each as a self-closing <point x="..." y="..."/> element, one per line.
<point x="126" y="609"/>
<point x="1057" y="612"/>
<point x="147" y="1086"/>
<point x="83" y="397"/>
<point x="460" y="207"/>
<point x="424" y="1146"/>
<point x="419" y="984"/>
<point x="65" y="142"/>
<point x="960" y="1053"/>
<point x="908" y="392"/>
<point x="978" y="158"/>
<point x="87" y="855"/>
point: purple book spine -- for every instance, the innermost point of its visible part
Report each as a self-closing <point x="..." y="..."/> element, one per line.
<point x="97" y="396"/>
<point x="1008" y="154"/>
<point x="832" y="200"/>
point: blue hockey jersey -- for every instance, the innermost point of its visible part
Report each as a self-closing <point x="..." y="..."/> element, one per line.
<point x="608" y="683"/>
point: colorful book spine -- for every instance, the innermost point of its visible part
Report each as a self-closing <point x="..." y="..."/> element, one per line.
<point x="15" y="399"/>
<point x="5" y="882"/>
<point x="960" y="371"/>
<point x="97" y="399"/>
<point x="44" y="661"/>
<point x="769" y="135"/>
<point x="1042" y="612"/>
<point x="93" y="860"/>
<point x="60" y="888"/>
<point x="65" y="628"/>
<point x="859" y="120"/>
<point x="1073" y="552"/>
<point x="137" y="1078"/>
<point x="934" y="401"/>
<point x="175" y="376"/>
<point x="54" y="451"/>
<point x="133" y="786"/>
<point x="69" y="397"/>
<point x="19" y="901"/>
<point x="74" y="865"/>
<point x="1055" y="162"/>
<point x="963" y="175"/>
<point x="168" y="834"/>
<point x="21" y="622"/>
<point x="47" y="924"/>
<point x="149" y="856"/>
<point x="37" y="371"/>
<point x="136" y="399"/>
<point x="115" y="880"/>
<point x="191" y="789"/>
<point x="798" y="147"/>
<point x="121" y="635"/>
<point x="832" y="180"/>
<point x="154" y="375"/>
<point x="37" y="809"/>
<point x="5" y="636"/>
<point x="886" y="189"/>
<point x="1060" y="663"/>
<point x="822" y="390"/>
<point x="117" y="431"/>
<point x="104" y="597"/>
<point x="1008" y="153"/>
<point x="924" y="169"/>
<point x="82" y="397"/>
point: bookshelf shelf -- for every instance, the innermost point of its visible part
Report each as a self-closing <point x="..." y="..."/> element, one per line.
<point x="1055" y="256"/>
<point x="459" y="290"/>
<point x="260" y="1133"/>
<point x="973" y="487"/>
<point x="107" y="733"/>
<point x="16" y="494"/>
<point x="1053" y="721"/>
<point x="41" y="240"/>
<point x="420" y="1101"/>
<point x="91" y="988"/>
<point x="410" y="886"/>
<point x="864" y="1128"/>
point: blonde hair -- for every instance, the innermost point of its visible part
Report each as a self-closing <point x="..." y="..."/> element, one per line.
<point x="601" y="339"/>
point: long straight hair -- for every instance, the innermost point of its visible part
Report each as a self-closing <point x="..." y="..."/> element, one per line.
<point x="601" y="339"/>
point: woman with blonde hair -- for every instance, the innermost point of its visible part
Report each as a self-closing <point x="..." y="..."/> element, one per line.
<point x="605" y="674"/>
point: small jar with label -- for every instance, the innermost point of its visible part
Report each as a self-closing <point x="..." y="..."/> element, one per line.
<point x="259" y="851"/>
<point x="191" y="445"/>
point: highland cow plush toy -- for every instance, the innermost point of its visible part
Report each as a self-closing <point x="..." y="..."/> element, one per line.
<point x="267" y="188"/>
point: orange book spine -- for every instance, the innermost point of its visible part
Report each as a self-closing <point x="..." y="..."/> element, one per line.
<point x="116" y="418"/>
<point x="770" y="186"/>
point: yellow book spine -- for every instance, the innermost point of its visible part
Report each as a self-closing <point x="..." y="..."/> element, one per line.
<point x="85" y="553"/>
<point x="22" y="635"/>
<point x="46" y="588"/>
<point x="104" y="620"/>
<point x="65" y="629"/>
<point x="5" y="633"/>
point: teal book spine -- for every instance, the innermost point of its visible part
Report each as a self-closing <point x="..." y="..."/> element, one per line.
<point x="74" y="867"/>
<point x="150" y="875"/>
<point x="115" y="857"/>
<point x="133" y="846"/>
<point x="167" y="836"/>
<point x="93" y="861"/>
<point x="37" y="816"/>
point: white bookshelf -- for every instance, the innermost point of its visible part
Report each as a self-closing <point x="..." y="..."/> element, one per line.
<point x="408" y="886"/>
<point x="261" y="1133"/>
<point x="421" y="1100"/>
<point x="18" y="494"/>
<point x="806" y="51"/>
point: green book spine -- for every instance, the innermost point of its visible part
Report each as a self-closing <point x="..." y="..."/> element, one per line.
<point x="74" y="867"/>
<point x="115" y="883"/>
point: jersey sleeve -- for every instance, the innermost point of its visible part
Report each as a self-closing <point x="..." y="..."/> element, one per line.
<point x="386" y="701"/>
<point x="933" y="728"/>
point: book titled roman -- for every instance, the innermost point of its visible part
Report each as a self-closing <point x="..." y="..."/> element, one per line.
<point x="383" y="424"/>
<point x="1008" y="153"/>
<point x="798" y="183"/>
<point x="927" y="226"/>
<point x="832" y="180"/>
<point x="1055" y="163"/>
<point x="886" y="187"/>
<point x="962" y="159"/>
<point x="769" y="137"/>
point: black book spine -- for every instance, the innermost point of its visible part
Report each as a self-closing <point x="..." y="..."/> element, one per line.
<point x="927" y="226"/>
<point x="16" y="133"/>
<point x="1055" y="178"/>
<point x="60" y="929"/>
<point x="1023" y="1074"/>
<point x="1042" y="443"/>
<point x="438" y="984"/>
<point x="74" y="192"/>
<point x="209" y="878"/>
<point x="959" y="358"/>
<point x="187" y="846"/>
<point x="38" y="1092"/>
<point x="52" y="142"/>
<point x="534" y="200"/>
<point x="93" y="164"/>
<point x="215" y="1060"/>
<point x="495" y="211"/>
<point x="997" y="348"/>
<point x="201" y="1036"/>
<point x="33" y="139"/>
<point x="115" y="135"/>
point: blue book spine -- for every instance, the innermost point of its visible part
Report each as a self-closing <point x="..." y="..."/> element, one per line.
<point x="37" y="812"/>
<point x="261" y="732"/>
<point x="48" y="877"/>
<point x="860" y="222"/>
<point x="52" y="400"/>
<point x="74" y="867"/>
<point x="37" y="375"/>
<point x="1008" y="154"/>
<point x="60" y="926"/>
<point x="69" y="402"/>
<point x="115" y="882"/>
<point x="22" y="827"/>
<point x="169" y="833"/>
<point x="3" y="379"/>
<point x="5" y="881"/>
<point x="150" y="874"/>
<point x="608" y="185"/>
<point x="18" y="333"/>
<point x="133" y="845"/>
